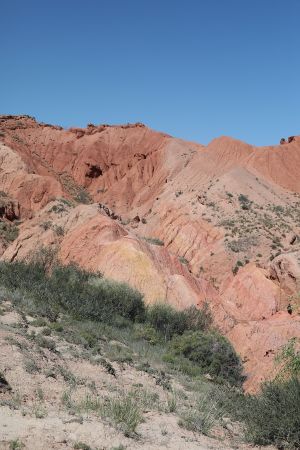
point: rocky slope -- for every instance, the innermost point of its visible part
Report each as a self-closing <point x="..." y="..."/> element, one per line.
<point x="58" y="393"/>
<point x="184" y="223"/>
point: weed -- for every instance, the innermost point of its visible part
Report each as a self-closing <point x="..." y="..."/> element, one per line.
<point x="30" y="365"/>
<point x="40" y="394"/>
<point x="46" y="331"/>
<point x="183" y="260"/>
<point x="66" y="400"/>
<point x="107" y="366"/>
<point x="122" y="413"/>
<point x="16" y="445"/>
<point x="9" y="231"/>
<point x="209" y="352"/>
<point x="39" y="411"/>
<point x="171" y="403"/>
<point x="67" y="375"/>
<point x="39" y="322"/>
<point x="44" y="342"/>
<point x="154" y="241"/>
<point x="81" y="446"/>
<point x="58" y="230"/>
<point x="273" y="416"/>
<point x="46" y="225"/>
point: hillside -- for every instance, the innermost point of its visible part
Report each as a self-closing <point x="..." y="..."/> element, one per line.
<point x="183" y="223"/>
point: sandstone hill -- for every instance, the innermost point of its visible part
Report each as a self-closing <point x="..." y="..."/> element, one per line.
<point x="182" y="222"/>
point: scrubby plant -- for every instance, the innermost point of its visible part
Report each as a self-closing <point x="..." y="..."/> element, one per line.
<point x="169" y="322"/>
<point x="58" y="230"/>
<point x="82" y="196"/>
<point x="273" y="416"/>
<point x="198" y="319"/>
<point x="289" y="359"/>
<point x="123" y="413"/>
<point x="166" y="320"/>
<point x="81" y="446"/>
<point x="16" y="444"/>
<point x="46" y="225"/>
<point x="71" y="289"/>
<point x="210" y="352"/>
<point x="30" y="365"/>
<point x="183" y="260"/>
<point x="9" y="231"/>
<point x="244" y="201"/>
<point x="154" y="241"/>
<point x="41" y="341"/>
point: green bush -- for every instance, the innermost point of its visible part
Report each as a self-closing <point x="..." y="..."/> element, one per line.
<point x="81" y="446"/>
<point x="123" y="413"/>
<point x="210" y="352"/>
<point x="73" y="290"/>
<point x="166" y="320"/>
<point x="154" y="241"/>
<point x="169" y="322"/>
<point x="273" y="416"/>
<point x="9" y="231"/>
<point x="44" y="342"/>
<point x="198" y="319"/>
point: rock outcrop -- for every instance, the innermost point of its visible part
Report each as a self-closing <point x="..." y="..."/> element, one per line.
<point x="183" y="223"/>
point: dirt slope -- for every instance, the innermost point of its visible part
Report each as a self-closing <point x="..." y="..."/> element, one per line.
<point x="226" y="218"/>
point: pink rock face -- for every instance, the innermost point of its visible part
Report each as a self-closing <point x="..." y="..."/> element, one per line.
<point x="250" y="295"/>
<point x="183" y="223"/>
<point x="259" y="342"/>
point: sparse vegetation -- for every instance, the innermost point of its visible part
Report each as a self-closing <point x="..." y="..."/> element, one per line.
<point x="73" y="290"/>
<point x="273" y="416"/>
<point x="58" y="230"/>
<point x="16" y="444"/>
<point x="81" y="446"/>
<point x="157" y="340"/>
<point x="123" y="413"/>
<point x="154" y="241"/>
<point x="209" y="353"/>
<point x="9" y="231"/>
<point x="183" y="260"/>
<point x="30" y="365"/>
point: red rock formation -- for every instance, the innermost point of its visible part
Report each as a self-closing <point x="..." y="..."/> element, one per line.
<point x="226" y="215"/>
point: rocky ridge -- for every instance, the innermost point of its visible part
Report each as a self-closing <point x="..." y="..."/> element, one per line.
<point x="183" y="223"/>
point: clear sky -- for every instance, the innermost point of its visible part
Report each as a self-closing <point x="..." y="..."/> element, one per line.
<point x="195" y="69"/>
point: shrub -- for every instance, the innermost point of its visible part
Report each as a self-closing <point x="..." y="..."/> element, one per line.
<point x="210" y="352"/>
<point x="154" y="241"/>
<point x="289" y="358"/>
<point x="146" y="332"/>
<point x="82" y="196"/>
<point x="71" y="289"/>
<point x="58" y="230"/>
<point x="9" y="231"/>
<point x="243" y="198"/>
<point x="30" y="365"/>
<point x="81" y="446"/>
<point x="44" y="342"/>
<point x="123" y="413"/>
<point x="169" y="322"/>
<point x="166" y="320"/>
<point x="46" y="225"/>
<point x="273" y="416"/>
<point x="198" y="319"/>
<point x="183" y="260"/>
<point x="16" y="445"/>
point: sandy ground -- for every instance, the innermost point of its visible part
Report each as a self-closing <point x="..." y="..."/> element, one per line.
<point x="32" y="413"/>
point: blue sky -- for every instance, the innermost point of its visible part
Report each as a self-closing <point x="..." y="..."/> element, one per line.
<point x="195" y="69"/>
